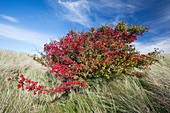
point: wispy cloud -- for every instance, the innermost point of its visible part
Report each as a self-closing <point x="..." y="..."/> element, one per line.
<point x="116" y="10"/>
<point x="9" y="18"/>
<point x="86" y="11"/>
<point x="21" y="34"/>
<point x="75" y="11"/>
<point x="116" y="6"/>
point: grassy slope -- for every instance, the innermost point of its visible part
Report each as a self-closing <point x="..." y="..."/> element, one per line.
<point x="149" y="94"/>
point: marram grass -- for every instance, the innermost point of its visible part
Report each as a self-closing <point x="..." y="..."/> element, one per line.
<point x="148" y="94"/>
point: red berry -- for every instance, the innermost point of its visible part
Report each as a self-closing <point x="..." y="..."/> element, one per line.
<point x="19" y="85"/>
<point x="9" y="79"/>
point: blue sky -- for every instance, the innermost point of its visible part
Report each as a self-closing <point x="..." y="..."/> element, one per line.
<point x="25" y="25"/>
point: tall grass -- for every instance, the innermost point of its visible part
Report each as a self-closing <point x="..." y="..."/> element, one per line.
<point x="125" y="94"/>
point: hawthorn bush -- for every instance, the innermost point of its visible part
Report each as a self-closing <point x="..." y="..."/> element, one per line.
<point x="83" y="59"/>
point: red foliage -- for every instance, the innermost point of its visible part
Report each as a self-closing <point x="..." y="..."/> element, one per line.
<point x="77" y="57"/>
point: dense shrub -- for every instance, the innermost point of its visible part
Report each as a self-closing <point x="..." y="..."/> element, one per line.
<point x="84" y="59"/>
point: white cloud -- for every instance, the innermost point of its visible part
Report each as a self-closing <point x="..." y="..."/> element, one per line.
<point x="75" y="11"/>
<point x="12" y="32"/>
<point x="9" y="18"/>
<point x="163" y="44"/>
